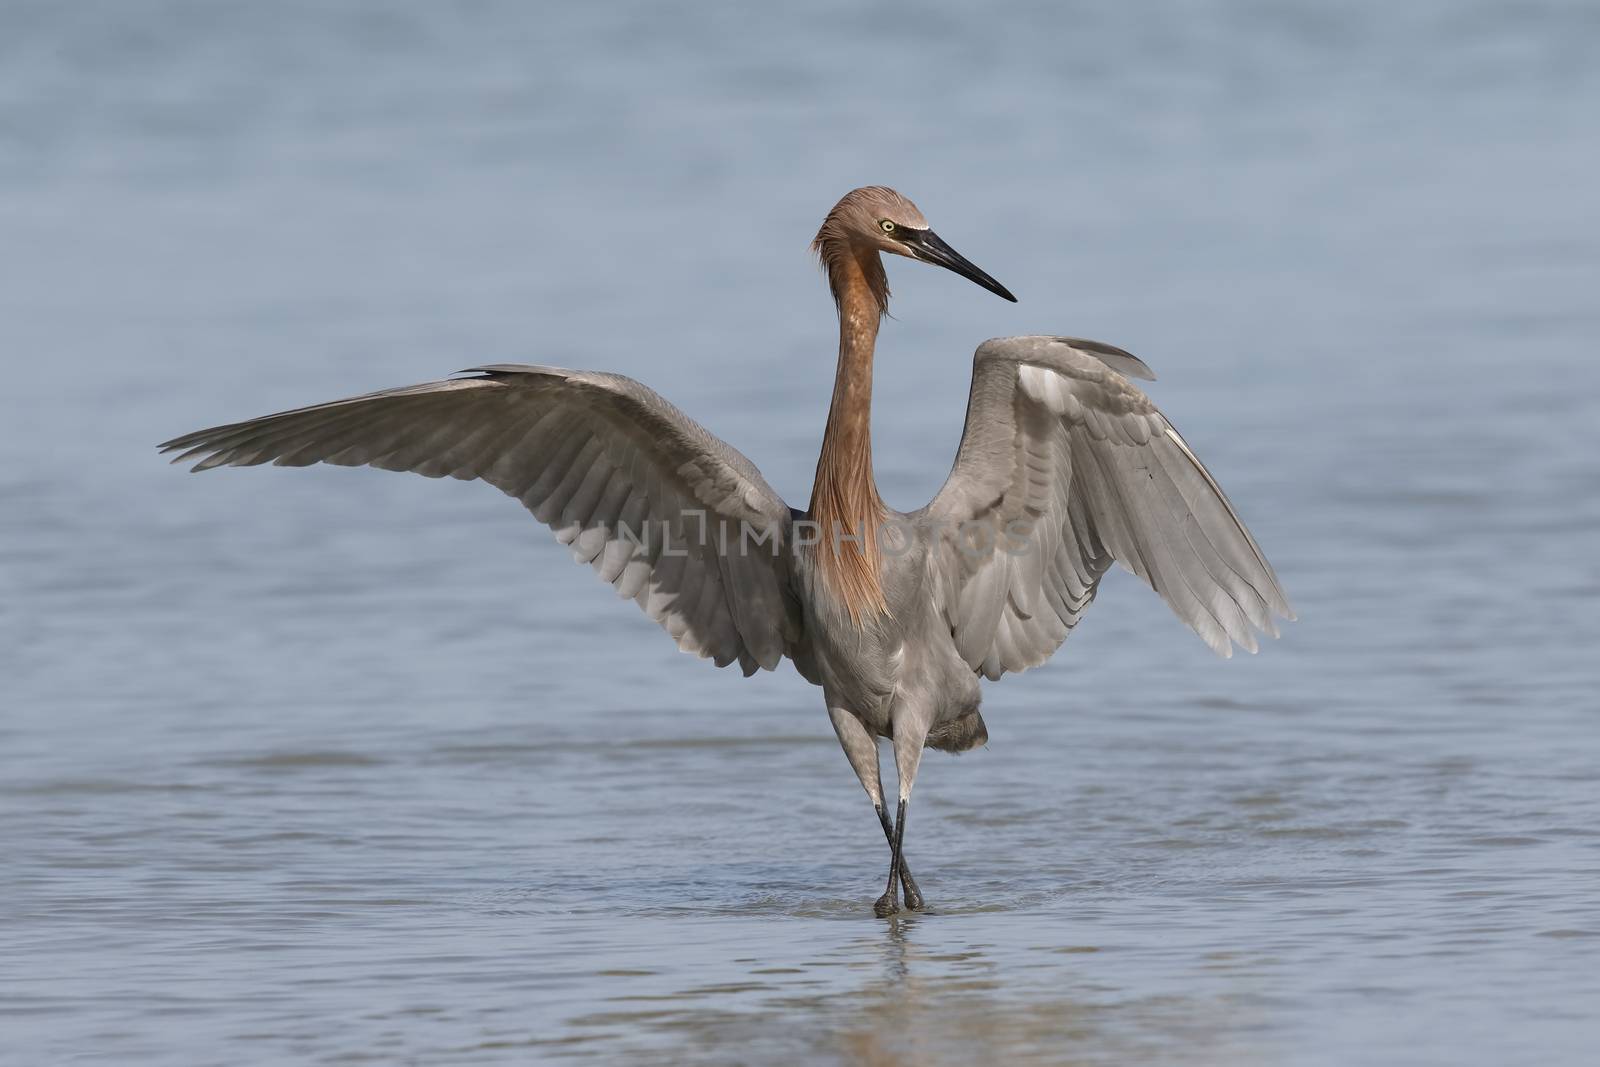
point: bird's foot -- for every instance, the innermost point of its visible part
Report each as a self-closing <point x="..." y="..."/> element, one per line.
<point x="913" y="898"/>
<point x="885" y="906"/>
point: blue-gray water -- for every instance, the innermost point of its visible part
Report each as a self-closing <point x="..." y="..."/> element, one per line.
<point x="336" y="766"/>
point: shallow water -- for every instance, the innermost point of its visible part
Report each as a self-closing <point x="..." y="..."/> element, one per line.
<point x="329" y="766"/>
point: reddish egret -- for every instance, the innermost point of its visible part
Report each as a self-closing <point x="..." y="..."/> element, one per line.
<point x="1064" y="467"/>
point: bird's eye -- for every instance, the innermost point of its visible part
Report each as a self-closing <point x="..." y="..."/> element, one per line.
<point x="886" y="226"/>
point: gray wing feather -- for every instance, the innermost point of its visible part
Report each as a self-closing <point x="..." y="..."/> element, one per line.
<point x="636" y="488"/>
<point x="1060" y="447"/>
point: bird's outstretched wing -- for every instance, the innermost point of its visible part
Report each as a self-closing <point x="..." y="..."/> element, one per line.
<point x="1065" y="466"/>
<point x="665" y="511"/>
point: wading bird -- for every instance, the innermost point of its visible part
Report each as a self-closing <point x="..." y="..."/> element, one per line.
<point x="1064" y="467"/>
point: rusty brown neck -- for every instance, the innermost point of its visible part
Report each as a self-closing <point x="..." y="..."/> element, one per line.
<point x="844" y="499"/>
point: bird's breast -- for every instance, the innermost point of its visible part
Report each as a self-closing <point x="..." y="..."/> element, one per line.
<point x="887" y="663"/>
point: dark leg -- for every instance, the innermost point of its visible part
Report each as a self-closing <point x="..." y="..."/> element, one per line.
<point x="887" y="904"/>
<point x="907" y="883"/>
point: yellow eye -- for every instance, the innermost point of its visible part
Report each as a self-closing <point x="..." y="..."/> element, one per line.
<point x="886" y="226"/>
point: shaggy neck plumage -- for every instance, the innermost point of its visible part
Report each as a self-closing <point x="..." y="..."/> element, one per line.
<point x="844" y="499"/>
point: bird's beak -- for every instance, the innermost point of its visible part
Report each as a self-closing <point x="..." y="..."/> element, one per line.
<point x="930" y="248"/>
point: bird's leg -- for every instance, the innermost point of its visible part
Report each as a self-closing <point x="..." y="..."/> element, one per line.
<point x="907" y="883"/>
<point x="889" y="903"/>
<point x="909" y="734"/>
<point x="861" y="749"/>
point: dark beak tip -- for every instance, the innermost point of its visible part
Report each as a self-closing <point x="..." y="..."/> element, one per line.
<point x="940" y="254"/>
<point x="999" y="290"/>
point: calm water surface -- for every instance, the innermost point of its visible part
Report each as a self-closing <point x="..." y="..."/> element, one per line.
<point x="338" y="766"/>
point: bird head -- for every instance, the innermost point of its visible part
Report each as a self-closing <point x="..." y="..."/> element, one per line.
<point x="878" y="218"/>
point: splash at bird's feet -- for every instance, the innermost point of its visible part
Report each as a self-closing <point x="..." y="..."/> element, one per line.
<point x="886" y="906"/>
